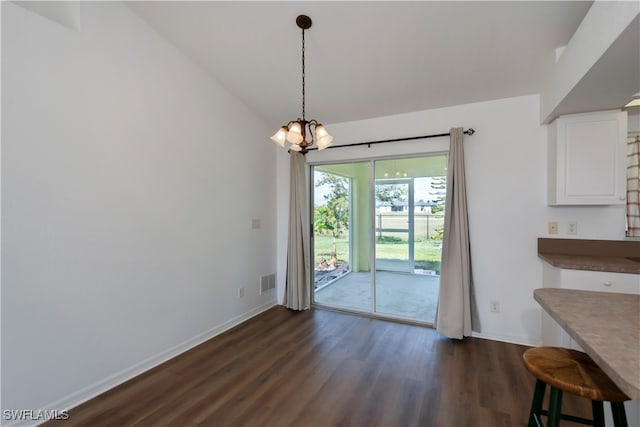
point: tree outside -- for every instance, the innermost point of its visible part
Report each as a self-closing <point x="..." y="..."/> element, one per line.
<point x="392" y="194"/>
<point x="332" y="217"/>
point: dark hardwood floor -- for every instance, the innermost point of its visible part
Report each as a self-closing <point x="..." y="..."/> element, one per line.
<point x="322" y="368"/>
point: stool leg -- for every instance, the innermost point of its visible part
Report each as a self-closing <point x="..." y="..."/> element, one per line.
<point x="598" y="413"/>
<point x="619" y="414"/>
<point x="536" y="404"/>
<point x="555" y="405"/>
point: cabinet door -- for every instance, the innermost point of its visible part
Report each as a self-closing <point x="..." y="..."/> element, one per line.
<point x="587" y="159"/>
<point x="601" y="281"/>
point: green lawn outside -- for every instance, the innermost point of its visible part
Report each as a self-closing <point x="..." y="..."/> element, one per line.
<point x="323" y="248"/>
<point x="427" y="252"/>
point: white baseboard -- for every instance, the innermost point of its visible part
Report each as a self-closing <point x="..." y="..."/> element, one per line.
<point x="91" y="391"/>
<point x="511" y="339"/>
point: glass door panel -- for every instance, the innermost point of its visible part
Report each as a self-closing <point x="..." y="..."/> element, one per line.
<point x="409" y="219"/>
<point x="341" y="230"/>
<point x="393" y="243"/>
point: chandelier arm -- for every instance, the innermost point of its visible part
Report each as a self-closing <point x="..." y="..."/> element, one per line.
<point x="308" y="125"/>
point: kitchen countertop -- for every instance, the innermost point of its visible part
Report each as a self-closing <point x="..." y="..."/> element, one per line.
<point x="592" y="263"/>
<point x="607" y="327"/>
<point x="616" y="256"/>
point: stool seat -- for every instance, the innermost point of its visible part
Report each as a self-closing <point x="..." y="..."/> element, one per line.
<point x="572" y="371"/>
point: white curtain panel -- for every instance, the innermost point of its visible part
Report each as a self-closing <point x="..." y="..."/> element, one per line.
<point x="453" y="318"/>
<point x="296" y="296"/>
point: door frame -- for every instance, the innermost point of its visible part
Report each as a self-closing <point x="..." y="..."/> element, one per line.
<point x="372" y="235"/>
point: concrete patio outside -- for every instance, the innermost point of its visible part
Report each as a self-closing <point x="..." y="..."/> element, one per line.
<point x="404" y="295"/>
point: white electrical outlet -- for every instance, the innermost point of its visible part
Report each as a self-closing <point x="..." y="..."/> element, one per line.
<point x="495" y="306"/>
<point x="240" y="292"/>
<point x="573" y="227"/>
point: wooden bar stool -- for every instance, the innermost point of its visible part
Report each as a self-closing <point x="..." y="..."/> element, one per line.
<point x="571" y="371"/>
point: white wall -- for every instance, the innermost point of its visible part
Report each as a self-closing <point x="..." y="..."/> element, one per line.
<point x="129" y="181"/>
<point x="633" y="122"/>
<point x="506" y="181"/>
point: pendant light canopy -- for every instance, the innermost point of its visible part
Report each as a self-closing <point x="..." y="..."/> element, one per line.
<point x="302" y="133"/>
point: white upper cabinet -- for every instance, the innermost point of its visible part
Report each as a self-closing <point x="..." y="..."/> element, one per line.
<point x="587" y="159"/>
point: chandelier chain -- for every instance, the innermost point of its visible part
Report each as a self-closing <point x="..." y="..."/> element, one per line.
<point x="303" y="92"/>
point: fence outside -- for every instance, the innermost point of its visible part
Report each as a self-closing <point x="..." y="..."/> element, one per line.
<point x="425" y="225"/>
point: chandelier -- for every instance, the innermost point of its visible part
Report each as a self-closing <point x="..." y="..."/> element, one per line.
<point x="297" y="131"/>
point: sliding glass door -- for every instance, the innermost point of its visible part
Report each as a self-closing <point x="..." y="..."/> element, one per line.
<point x="378" y="229"/>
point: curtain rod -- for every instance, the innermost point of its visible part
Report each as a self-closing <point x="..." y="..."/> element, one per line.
<point x="469" y="132"/>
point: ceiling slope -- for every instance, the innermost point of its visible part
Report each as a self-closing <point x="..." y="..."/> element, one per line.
<point x="369" y="59"/>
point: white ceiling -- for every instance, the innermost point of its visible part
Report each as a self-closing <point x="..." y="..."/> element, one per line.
<point x="369" y="59"/>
